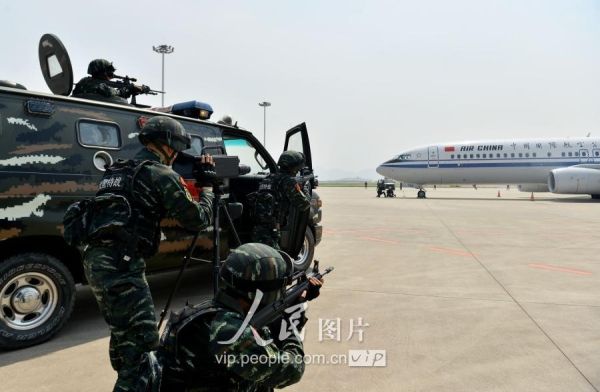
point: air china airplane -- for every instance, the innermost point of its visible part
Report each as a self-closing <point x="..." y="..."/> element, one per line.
<point x="570" y="166"/>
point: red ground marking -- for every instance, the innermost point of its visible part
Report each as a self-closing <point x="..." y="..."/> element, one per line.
<point x="378" y="240"/>
<point x="560" y="269"/>
<point x="456" y="252"/>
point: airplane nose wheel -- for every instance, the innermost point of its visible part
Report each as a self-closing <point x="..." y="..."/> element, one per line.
<point x="421" y="194"/>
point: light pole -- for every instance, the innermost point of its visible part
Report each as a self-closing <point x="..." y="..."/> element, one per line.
<point x="265" y="105"/>
<point x="163" y="49"/>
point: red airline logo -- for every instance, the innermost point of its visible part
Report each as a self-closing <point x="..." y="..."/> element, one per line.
<point x="448" y="148"/>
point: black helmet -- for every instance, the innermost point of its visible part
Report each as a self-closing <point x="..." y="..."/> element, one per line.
<point x="226" y="120"/>
<point x="100" y="67"/>
<point x="166" y="131"/>
<point x="255" y="266"/>
<point x="291" y="161"/>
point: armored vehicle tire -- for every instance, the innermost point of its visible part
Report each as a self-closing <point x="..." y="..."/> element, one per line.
<point x="37" y="293"/>
<point x="421" y="194"/>
<point x="305" y="257"/>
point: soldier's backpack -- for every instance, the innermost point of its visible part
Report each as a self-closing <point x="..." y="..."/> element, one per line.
<point x="110" y="212"/>
<point x="264" y="203"/>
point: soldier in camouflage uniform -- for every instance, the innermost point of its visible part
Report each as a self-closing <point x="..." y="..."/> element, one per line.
<point x="276" y="195"/>
<point x="208" y="352"/>
<point x="100" y="87"/>
<point x="133" y="197"/>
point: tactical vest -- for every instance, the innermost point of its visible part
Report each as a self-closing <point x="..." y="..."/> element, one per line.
<point x="118" y="215"/>
<point x="269" y="205"/>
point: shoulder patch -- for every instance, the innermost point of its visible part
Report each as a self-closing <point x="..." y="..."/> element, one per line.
<point x="185" y="189"/>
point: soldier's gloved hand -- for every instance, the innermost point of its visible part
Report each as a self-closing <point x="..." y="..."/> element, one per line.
<point x="314" y="289"/>
<point x="145" y="89"/>
<point x="204" y="171"/>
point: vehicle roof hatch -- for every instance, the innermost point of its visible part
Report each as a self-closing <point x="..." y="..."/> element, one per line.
<point x="55" y="64"/>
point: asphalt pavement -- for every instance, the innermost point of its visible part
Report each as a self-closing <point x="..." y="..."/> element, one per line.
<point x="462" y="291"/>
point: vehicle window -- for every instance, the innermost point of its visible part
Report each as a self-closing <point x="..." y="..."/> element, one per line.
<point x="196" y="147"/>
<point x="295" y="143"/>
<point x="247" y="153"/>
<point x="98" y="134"/>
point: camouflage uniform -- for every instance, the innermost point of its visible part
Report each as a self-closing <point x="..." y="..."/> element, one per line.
<point x="114" y="255"/>
<point x="277" y="193"/>
<point x="99" y="87"/>
<point x="194" y="357"/>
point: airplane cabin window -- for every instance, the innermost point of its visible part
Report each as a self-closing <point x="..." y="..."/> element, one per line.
<point x="534" y="154"/>
<point x="570" y="154"/>
<point x="576" y="154"/>
<point x="512" y="154"/>
<point x="549" y="154"/>
<point x="477" y="155"/>
<point x="470" y="155"/>
<point x="583" y="154"/>
<point x="526" y="155"/>
<point x="452" y="156"/>
<point x="505" y="155"/>
<point x="498" y="155"/>
<point x="484" y="156"/>
<point x="597" y="153"/>
<point x="563" y="154"/>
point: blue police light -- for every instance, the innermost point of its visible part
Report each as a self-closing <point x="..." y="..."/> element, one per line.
<point x="193" y="109"/>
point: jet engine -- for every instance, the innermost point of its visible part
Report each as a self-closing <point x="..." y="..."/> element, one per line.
<point x="575" y="179"/>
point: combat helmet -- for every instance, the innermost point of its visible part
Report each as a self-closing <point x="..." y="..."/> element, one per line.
<point x="291" y="161"/>
<point x="253" y="267"/>
<point x="100" y="67"/>
<point x="167" y="131"/>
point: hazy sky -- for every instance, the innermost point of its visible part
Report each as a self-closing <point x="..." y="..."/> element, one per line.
<point x="370" y="78"/>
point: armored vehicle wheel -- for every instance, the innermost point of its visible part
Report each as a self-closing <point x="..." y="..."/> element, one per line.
<point x="305" y="257"/>
<point x="421" y="194"/>
<point x="37" y="293"/>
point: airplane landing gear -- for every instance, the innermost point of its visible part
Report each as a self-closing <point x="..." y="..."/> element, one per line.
<point x="421" y="194"/>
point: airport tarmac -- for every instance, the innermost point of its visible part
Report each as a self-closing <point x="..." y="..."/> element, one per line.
<point x="463" y="291"/>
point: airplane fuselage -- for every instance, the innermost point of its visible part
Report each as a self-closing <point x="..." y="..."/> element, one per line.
<point x="525" y="161"/>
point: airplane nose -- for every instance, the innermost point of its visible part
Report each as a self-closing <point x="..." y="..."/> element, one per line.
<point x="382" y="170"/>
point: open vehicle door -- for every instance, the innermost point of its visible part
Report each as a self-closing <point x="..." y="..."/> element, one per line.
<point x="292" y="235"/>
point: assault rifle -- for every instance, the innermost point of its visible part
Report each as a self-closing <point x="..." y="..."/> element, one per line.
<point x="135" y="89"/>
<point x="274" y="311"/>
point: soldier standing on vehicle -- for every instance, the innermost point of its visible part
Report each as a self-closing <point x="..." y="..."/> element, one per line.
<point x="277" y="194"/>
<point x="100" y="87"/>
<point x="133" y="197"/>
<point x="223" y="351"/>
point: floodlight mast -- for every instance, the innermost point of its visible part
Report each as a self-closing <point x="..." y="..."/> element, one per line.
<point x="163" y="49"/>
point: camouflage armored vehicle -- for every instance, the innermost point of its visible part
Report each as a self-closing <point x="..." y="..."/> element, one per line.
<point x="53" y="152"/>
